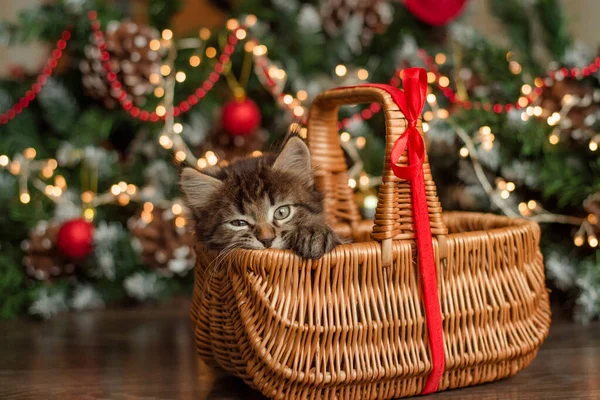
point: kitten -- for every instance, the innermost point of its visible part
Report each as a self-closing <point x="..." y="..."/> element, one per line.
<point x="260" y="203"/>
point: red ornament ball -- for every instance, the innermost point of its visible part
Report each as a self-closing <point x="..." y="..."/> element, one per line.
<point x="75" y="238"/>
<point x="435" y="12"/>
<point x="240" y="117"/>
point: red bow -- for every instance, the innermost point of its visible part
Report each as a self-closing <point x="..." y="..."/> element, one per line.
<point x="411" y="102"/>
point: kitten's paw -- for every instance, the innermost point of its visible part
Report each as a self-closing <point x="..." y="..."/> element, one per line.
<point x="313" y="242"/>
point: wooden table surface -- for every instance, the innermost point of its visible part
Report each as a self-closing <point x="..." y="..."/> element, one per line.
<point x="148" y="353"/>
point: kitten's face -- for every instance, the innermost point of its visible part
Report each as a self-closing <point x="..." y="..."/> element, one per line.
<point x="254" y="203"/>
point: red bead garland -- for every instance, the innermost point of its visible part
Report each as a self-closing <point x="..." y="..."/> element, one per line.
<point x="41" y="80"/>
<point x="185" y="105"/>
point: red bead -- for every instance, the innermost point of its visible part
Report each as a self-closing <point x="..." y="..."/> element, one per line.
<point x="597" y="61"/>
<point x="200" y="92"/>
<point x="185" y="106"/>
<point x="593" y="68"/>
<point x="66" y="35"/>
<point x="117" y="85"/>
<point x="105" y="56"/>
<point x="47" y="71"/>
<point x="122" y="95"/>
<point x="42" y="80"/>
<point x="538" y="90"/>
<point x="52" y="63"/>
<point x="564" y="71"/>
<point x="219" y="68"/>
<point x="111" y="76"/>
<point x="176" y="111"/>
<point x="508" y="107"/>
<point x="232" y="39"/>
<point x="224" y="58"/>
<point x="56" y="53"/>
<point x="10" y="114"/>
<point x="92" y="15"/>
<point x="228" y="49"/>
<point x="134" y="112"/>
<point x="17" y="108"/>
<point x="467" y="105"/>
<point x="154" y="117"/>
<point x="207" y="85"/>
<point x="144" y="115"/>
<point x="3" y="119"/>
<point x="193" y="99"/>
<point x="127" y="105"/>
<point x="29" y="95"/>
<point x="366" y="114"/>
<point x="374" y="107"/>
<point x="574" y="71"/>
<point x="61" y="44"/>
<point x="36" y="87"/>
<point x="487" y="106"/>
<point x="585" y="71"/>
<point x="213" y="77"/>
<point x="497" y="108"/>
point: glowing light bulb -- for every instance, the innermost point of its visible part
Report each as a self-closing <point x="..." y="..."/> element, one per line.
<point x="241" y="34"/>
<point x="180" y="155"/>
<point x="256" y="153"/>
<point x="176" y="208"/>
<point x="232" y="24"/>
<point x="60" y="181"/>
<point x="210" y="52"/>
<point x="485" y="130"/>
<point x="154" y="78"/>
<point x="362" y="74"/>
<point x="89" y="214"/>
<point x="25" y="198"/>
<point x="4" y="160"/>
<point x="425" y="127"/>
<point x="87" y="197"/>
<point x="195" y="61"/>
<point x="159" y="92"/>
<point x="167" y="34"/>
<point x="526" y="89"/>
<point x="122" y="186"/>
<point x="180" y="76"/>
<point x="360" y="142"/>
<point x="352" y="183"/>
<point x="593" y="241"/>
<point x="260" y="50"/>
<point x="522" y="102"/>
<point x="298" y="111"/>
<point x="514" y="67"/>
<point x="164" y="141"/>
<point x="440" y="58"/>
<point x="553" y="138"/>
<point x="29" y="153"/>
<point x="287" y="99"/>
<point x="154" y="44"/>
<point x="464" y="152"/>
<point x="505" y="194"/>
<point x="593" y="145"/>
<point x="431" y="77"/>
<point x="537" y="111"/>
<point x="161" y="110"/>
<point x="578" y="240"/>
<point x="250" y="20"/>
<point x="211" y="158"/>
<point x="510" y="186"/>
<point x="165" y="70"/>
<point x="523" y="208"/>
<point x="345" y="137"/>
<point x="532" y="205"/>
<point x="340" y="70"/>
<point x="147" y="217"/>
<point x="148" y="207"/>
<point x="177" y="127"/>
<point x="131" y="189"/>
<point x="180" y="222"/>
<point x="204" y="33"/>
<point x="123" y="199"/>
<point x="431" y="99"/>
<point x="444" y="81"/>
<point x="202" y="163"/>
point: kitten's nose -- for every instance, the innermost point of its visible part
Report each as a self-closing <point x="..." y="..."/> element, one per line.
<point x="266" y="241"/>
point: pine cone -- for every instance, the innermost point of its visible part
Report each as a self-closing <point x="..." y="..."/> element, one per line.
<point x="162" y="244"/>
<point x="375" y="15"/>
<point x="43" y="260"/>
<point x="131" y="58"/>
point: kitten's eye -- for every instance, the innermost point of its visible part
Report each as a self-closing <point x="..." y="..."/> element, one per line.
<point x="282" y="212"/>
<point x="239" y="222"/>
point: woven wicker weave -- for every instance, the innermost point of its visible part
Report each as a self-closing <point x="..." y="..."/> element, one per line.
<point x="351" y="324"/>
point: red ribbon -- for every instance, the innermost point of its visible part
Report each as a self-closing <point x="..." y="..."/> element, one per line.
<point x="411" y="102"/>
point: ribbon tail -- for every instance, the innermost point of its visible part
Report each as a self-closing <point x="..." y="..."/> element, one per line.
<point x="428" y="279"/>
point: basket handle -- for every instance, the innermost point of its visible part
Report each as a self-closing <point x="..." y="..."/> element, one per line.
<point x="394" y="214"/>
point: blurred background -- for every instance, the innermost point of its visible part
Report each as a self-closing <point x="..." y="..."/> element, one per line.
<point x="101" y="103"/>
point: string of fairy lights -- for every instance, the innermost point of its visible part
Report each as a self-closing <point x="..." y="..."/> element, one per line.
<point x="41" y="173"/>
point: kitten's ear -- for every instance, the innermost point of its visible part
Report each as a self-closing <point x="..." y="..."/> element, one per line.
<point x="295" y="158"/>
<point x="199" y="188"/>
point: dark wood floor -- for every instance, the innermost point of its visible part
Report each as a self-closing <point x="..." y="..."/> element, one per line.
<point x="148" y="353"/>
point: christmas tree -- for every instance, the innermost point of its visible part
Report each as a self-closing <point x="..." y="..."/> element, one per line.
<point x="90" y="211"/>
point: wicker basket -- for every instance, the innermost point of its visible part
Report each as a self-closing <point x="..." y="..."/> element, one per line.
<point x="351" y="324"/>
